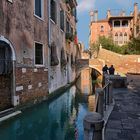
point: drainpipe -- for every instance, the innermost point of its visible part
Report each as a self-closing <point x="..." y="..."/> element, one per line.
<point x="49" y="43"/>
<point x="15" y="101"/>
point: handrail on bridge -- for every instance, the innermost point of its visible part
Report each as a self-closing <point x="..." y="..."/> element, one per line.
<point x="93" y="123"/>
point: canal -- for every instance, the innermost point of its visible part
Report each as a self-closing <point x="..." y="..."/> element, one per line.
<point x="61" y="119"/>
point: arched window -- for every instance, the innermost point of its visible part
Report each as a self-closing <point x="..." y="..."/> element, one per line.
<point x="125" y="38"/>
<point x="116" y="38"/>
<point x="121" y="38"/>
<point x="117" y="23"/>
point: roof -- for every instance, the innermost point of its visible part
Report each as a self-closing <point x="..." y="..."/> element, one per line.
<point x="98" y="21"/>
<point x="120" y="17"/>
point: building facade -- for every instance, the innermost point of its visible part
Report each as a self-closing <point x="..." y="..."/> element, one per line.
<point x="117" y="25"/>
<point x="62" y="43"/>
<point x="38" y="49"/>
<point x="23" y="52"/>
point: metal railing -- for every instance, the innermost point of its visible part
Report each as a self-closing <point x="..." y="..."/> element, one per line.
<point x="103" y="97"/>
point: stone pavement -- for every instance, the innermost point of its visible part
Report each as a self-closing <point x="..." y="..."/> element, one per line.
<point x="124" y="121"/>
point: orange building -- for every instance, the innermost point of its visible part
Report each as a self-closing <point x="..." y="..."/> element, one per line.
<point x="119" y="26"/>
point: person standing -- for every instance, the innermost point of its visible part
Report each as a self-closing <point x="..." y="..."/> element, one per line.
<point x="111" y="70"/>
<point x="105" y="69"/>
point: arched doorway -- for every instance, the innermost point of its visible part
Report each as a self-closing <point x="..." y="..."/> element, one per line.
<point x="7" y="73"/>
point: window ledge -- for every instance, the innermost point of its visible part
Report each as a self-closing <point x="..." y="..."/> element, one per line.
<point x="11" y="1"/>
<point x="40" y="18"/>
<point x="62" y="30"/>
<point x="39" y="66"/>
<point x="52" y="21"/>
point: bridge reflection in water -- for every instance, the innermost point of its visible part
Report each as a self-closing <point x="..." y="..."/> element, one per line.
<point x="61" y="119"/>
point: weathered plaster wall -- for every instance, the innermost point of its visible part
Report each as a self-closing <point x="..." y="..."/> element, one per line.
<point x="22" y="28"/>
<point x="59" y="76"/>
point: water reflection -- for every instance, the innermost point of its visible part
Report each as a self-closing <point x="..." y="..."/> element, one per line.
<point x="61" y="119"/>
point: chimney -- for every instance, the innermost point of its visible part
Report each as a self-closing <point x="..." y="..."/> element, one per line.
<point x="135" y="12"/>
<point x="91" y="16"/>
<point x="123" y="13"/>
<point x="135" y="17"/>
<point x="108" y="14"/>
<point x="96" y="15"/>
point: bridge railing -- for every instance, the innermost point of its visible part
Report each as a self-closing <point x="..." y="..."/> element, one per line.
<point x="94" y="122"/>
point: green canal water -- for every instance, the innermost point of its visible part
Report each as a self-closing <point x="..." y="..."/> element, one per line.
<point x="61" y="119"/>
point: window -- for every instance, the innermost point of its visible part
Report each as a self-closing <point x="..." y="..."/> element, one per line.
<point x="53" y="10"/>
<point x="67" y="27"/>
<point x="121" y="38"/>
<point x="117" y="23"/>
<point x="62" y="19"/>
<point x="38" y="54"/>
<point x="102" y="29"/>
<point x="125" y="23"/>
<point x="38" y="8"/>
<point x="116" y="38"/>
<point x="125" y="38"/>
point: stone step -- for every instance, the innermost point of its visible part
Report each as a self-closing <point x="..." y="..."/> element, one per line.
<point x="6" y="112"/>
<point x="8" y="116"/>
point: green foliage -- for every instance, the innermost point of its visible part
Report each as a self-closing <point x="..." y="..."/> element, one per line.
<point x="94" y="49"/>
<point x="70" y="36"/>
<point x="133" y="47"/>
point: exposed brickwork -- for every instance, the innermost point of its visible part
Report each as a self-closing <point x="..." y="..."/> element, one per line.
<point x="30" y="80"/>
<point x="5" y="96"/>
<point x="122" y="63"/>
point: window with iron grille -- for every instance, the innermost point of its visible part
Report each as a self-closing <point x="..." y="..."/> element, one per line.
<point x="38" y="8"/>
<point x="53" y="10"/>
<point x="38" y="54"/>
<point x="62" y="19"/>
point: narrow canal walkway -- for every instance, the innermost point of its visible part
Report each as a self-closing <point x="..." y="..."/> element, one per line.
<point x="124" y="121"/>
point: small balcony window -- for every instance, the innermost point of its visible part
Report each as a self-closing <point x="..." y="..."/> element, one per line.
<point x="38" y="54"/>
<point x="38" y="9"/>
<point x="117" y="23"/>
<point x="53" y="10"/>
<point x="125" y="23"/>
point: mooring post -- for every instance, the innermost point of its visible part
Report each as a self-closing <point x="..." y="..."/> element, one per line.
<point x="93" y="125"/>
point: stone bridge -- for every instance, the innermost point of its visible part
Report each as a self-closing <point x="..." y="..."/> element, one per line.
<point x="123" y="63"/>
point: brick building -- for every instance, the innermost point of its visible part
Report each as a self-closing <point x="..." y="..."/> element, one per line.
<point x="38" y="49"/>
<point x="117" y="25"/>
<point x="23" y="52"/>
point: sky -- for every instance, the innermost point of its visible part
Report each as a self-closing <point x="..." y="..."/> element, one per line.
<point x="85" y="6"/>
